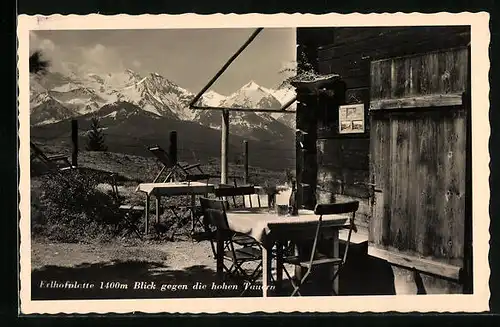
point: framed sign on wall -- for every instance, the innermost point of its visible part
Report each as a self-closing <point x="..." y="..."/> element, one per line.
<point x="352" y="118"/>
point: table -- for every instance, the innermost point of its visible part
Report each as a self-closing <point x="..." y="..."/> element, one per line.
<point x="172" y="189"/>
<point x="268" y="229"/>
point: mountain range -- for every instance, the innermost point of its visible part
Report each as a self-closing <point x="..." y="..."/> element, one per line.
<point x="146" y="107"/>
<point x="55" y="97"/>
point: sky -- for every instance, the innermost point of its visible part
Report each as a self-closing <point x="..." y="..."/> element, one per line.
<point x="188" y="57"/>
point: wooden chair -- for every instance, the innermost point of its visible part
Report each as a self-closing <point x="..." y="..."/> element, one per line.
<point x="315" y="258"/>
<point x="234" y="193"/>
<point x="214" y="212"/>
<point x="171" y="168"/>
<point x="131" y="213"/>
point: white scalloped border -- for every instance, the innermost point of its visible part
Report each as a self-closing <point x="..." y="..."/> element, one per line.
<point x="480" y="36"/>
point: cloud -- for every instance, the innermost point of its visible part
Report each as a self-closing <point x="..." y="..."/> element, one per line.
<point x="49" y="50"/>
<point x="95" y="58"/>
<point x="136" y="64"/>
<point x="45" y="45"/>
<point x="99" y="58"/>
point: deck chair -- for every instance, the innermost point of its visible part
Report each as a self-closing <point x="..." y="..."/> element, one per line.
<point x="214" y="212"/>
<point x="315" y="258"/>
<point x="131" y="213"/>
<point x="51" y="161"/>
<point x="171" y="169"/>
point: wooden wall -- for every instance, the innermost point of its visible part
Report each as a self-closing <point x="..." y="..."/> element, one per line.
<point x="342" y="161"/>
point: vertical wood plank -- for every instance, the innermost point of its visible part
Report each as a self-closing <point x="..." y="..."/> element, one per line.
<point x="385" y="79"/>
<point x="441" y="194"/>
<point x="412" y="191"/>
<point x="421" y="182"/>
<point x="376" y="81"/>
<point x="431" y="218"/>
<point x="459" y="179"/>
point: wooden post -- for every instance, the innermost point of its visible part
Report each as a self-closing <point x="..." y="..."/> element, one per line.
<point x="172" y="150"/>
<point x="74" y="141"/>
<point x="224" y="146"/>
<point x="245" y="143"/>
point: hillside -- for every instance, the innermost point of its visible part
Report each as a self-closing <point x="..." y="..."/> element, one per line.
<point x="130" y="130"/>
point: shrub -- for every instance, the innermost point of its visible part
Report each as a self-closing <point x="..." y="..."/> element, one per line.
<point x="69" y="208"/>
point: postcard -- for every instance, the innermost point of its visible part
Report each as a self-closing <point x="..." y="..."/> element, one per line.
<point x="162" y="169"/>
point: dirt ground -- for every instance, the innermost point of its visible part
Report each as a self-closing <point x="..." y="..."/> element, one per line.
<point x="117" y="268"/>
<point x="178" y="255"/>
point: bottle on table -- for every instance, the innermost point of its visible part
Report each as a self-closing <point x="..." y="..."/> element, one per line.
<point x="293" y="206"/>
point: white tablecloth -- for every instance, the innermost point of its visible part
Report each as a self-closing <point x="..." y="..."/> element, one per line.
<point x="177" y="188"/>
<point x="261" y="224"/>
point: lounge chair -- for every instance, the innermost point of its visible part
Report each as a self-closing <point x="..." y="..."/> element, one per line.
<point x="171" y="168"/>
<point x="54" y="163"/>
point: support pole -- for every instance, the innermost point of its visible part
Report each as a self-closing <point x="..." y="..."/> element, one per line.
<point x="224" y="146"/>
<point x="245" y="156"/>
<point x="74" y="141"/>
<point x="172" y="150"/>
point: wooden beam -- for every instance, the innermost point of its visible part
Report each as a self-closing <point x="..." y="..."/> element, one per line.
<point x="223" y="68"/>
<point x="420" y="264"/>
<point x="224" y="147"/>
<point x="245" y="109"/>
<point x="435" y="100"/>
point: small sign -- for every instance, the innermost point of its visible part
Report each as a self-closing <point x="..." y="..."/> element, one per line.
<point x="352" y="118"/>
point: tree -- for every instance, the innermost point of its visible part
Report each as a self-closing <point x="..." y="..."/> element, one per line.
<point x="95" y="137"/>
<point x="38" y="65"/>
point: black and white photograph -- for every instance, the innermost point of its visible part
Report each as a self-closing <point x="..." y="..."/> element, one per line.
<point x="227" y="161"/>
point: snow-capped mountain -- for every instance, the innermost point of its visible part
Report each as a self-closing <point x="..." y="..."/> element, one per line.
<point x="251" y="95"/>
<point x="55" y="97"/>
<point x="212" y="99"/>
<point x="46" y="110"/>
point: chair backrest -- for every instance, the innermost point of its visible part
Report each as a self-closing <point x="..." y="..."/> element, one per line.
<point x="214" y="211"/>
<point x="336" y="208"/>
<point x="233" y="192"/>
<point x="162" y="156"/>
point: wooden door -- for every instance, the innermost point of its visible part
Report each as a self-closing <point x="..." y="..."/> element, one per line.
<point x="418" y="158"/>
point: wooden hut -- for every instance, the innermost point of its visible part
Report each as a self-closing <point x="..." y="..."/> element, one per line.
<point x="394" y="135"/>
